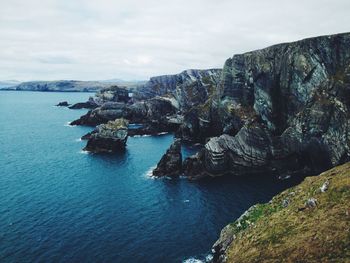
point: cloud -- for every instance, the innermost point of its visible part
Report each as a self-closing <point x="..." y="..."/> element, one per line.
<point x="89" y="39"/>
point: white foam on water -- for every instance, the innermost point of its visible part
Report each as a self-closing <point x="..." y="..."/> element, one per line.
<point x="139" y="136"/>
<point x="149" y="172"/>
<point x="84" y="152"/>
<point x="78" y="140"/>
<point x="186" y="201"/>
<point x="193" y="260"/>
<point x="67" y="124"/>
<point x="162" y="133"/>
<point x="208" y="258"/>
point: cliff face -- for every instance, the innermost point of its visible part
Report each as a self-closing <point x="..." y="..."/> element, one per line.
<point x="284" y="108"/>
<point x="308" y="223"/>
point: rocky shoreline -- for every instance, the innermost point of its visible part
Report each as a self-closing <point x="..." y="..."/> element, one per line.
<point x="281" y="110"/>
<point x="266" y="111"/>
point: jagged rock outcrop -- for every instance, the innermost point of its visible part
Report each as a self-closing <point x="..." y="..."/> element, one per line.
<point x="171" y="162"/>
<point x="308" y="222"/>
<point x="109" y="137"/>
<point x="282" y="109"/>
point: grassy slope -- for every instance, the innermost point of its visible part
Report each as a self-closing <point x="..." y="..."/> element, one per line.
<point x="297" y="232"/>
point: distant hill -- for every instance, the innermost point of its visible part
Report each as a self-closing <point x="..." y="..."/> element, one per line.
<point x="67" y="85"/>
<point x="8" y="83"/>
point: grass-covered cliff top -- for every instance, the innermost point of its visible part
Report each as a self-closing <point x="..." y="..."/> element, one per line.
<point x="307" y="223"/>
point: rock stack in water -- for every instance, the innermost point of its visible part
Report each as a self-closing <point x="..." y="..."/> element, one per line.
<point x="109" y="137"/>
<point x="171" y="162"/>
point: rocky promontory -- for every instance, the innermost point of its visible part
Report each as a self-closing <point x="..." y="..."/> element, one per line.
<point x="109" y="137"/>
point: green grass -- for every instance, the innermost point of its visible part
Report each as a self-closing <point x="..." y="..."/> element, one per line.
<point x="298" y="233"/>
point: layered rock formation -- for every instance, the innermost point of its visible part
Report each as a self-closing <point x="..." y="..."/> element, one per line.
<point x="309" y="222"/>
<point x="281" y="109"/>
<point x="171" y="162"/>
<point x="109" y="137"/>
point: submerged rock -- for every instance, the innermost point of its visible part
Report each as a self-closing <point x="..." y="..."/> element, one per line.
<point x="171" y="162"/>
<point x="109" y="137"/>
<point x="63" y="104"/>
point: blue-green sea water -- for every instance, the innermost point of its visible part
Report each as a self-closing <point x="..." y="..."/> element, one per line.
<point x="58" y="204"/>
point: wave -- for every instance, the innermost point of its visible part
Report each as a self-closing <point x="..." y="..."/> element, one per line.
<point x="78" y="140"/>
<point x="84" y="152"/>
<point x="162" y="133"/>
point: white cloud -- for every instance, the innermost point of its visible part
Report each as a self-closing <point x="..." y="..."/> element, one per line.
<point x="136" y="39"/>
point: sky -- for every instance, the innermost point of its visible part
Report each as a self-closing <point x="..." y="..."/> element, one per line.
<point x="137" y="39"/>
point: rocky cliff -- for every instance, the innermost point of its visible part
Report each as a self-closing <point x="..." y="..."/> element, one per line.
<point x="307" y="223"/>
<point x="281" y="109"/>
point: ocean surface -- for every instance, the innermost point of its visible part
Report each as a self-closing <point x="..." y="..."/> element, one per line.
<point x="59" y="204"/>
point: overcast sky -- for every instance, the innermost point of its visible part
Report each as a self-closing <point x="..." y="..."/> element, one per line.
<point x="136" y="39"/>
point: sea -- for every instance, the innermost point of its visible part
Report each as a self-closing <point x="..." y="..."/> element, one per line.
<point x="61" y="204"/>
